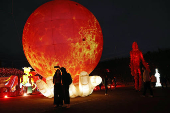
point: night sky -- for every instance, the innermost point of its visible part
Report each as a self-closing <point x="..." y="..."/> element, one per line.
<point x="122" y="21"/>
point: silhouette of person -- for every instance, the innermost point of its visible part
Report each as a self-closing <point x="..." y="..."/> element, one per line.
<point x="114" y="81"/>
<point x="153" y="80"/>
<point x="110" y="83"/>
<point x="136" y="57"/>
<point x="163" y="81"/>
<point x="66" y="80"/>
<point x="57" y="81"/>
<point x="106" y="83"/>
<point x="146" y="80"/>
<point x="100" y="85"/>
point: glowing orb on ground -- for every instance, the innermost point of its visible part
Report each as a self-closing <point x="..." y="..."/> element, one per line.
<point x="25" y="94"/>
<point x="65" y="33"/>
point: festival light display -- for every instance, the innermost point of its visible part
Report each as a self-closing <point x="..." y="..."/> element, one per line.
<point x="47" y="89"/>
<point x="83" y="87"/>
<point x="87" y="83"/>
<point x="12" y="81"/>
<point x="65" y="33"/>
<point x="9" y="80"/>
<point x="157" y="75"/>
<point x="27" y="79"/>
<point x="136" y="57"/>
<point x="7" y="72"/>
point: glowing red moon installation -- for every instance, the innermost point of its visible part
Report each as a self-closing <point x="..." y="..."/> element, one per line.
<point x="65" y="33"/>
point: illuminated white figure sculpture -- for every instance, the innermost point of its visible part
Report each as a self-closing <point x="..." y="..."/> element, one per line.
<point x="157" y="75"/>
<point x="83" y="88"/>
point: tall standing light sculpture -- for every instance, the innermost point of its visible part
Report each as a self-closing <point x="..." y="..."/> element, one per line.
<point x="65" y="33"/>
<point x="136" y="57"/>
<point x="157" y="75"/>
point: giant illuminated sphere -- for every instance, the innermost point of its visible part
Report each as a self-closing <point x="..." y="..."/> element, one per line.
<point x="65" y="33"/>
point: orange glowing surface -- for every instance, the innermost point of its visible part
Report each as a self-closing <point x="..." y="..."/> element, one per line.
<point x="64" y="33"/>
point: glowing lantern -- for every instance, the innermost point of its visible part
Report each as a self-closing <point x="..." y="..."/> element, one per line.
<point x="83" y="88"/>
<point x="46" y="89"/>
<point x="27" y="80"/>
<point x="95" y="80"/>
<point x="84" y="84"/>
<point x="25" y="94"/>
<point x="27" y="70"/>
<point x="73" y="90"/>
<point x="12" y="82"/>
<point x="65" y="33"/>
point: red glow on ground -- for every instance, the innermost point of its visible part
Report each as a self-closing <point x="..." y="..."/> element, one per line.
<point x="112" y="87"/>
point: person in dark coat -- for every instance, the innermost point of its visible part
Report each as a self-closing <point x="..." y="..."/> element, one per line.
<point x="57" y="81"/>
<point x="106" y="79"/>
<point x="146" y="82"/>
<point x="163" y="81"/>
<point x="67" y="80"/>
<point x="106" y="83"/>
